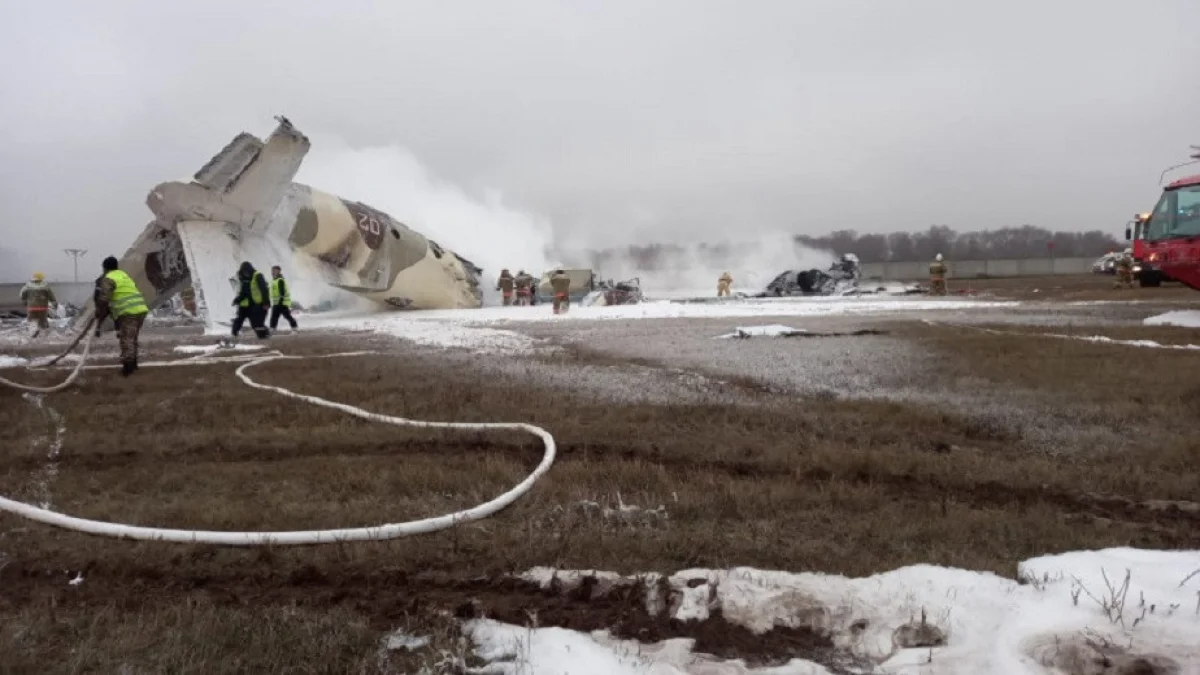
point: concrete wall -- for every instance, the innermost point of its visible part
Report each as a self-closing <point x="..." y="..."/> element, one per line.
<point x="973" y="269"/>
<point x="76" y="294"/>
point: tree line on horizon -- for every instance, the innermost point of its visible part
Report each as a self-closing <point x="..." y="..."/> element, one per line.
<point x="1026" y="241"/>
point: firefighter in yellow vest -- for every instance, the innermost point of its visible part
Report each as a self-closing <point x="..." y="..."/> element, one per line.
<point x="281" y="299"/>
<point x="937" y="276"/>
<point x="118" y="296"/>
<point x="253" y="301"/>
<point x="723" y="285"/>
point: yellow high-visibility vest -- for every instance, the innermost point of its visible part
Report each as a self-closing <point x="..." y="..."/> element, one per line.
<point x="255" y="293"/>
<point x="280" y="294"/>
<point x="126" y="298"/>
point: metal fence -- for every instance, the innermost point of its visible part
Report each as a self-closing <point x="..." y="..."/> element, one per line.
<point x="65" y="291"/>
<point x="977" y="269"/>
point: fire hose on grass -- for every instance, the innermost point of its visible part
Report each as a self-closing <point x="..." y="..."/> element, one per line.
<point x="86" y="337"/>
<point x="298" y="537"/>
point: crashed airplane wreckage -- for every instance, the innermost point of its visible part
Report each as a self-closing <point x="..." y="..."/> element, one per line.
<point x="243" y="205"/>
<point x="843" y="277"/>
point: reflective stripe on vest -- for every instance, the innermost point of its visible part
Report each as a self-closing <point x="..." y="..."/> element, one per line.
<point x="126" y="299"/>
<point x="278" y="298"/>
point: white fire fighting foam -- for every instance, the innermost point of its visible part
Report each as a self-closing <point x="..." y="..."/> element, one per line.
<point x="1183" y="318"/>
<point x="482" y="229"/>
<point x="1050" y="625"/>
<point x="752" y="264"/>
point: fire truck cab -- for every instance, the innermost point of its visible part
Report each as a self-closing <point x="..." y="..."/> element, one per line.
<point x="1167" y="242"/>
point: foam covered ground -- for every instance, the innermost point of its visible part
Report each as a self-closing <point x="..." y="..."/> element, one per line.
<point x="1055" y="623"/>
<point x="480" y="329"/>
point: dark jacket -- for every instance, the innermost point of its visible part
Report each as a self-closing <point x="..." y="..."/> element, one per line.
<point x="245" y="275"/>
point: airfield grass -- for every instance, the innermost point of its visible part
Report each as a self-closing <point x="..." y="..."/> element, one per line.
<point x="849" y="487"/>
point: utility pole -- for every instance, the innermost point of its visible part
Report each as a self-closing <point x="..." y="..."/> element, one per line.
<point x="76" y="253"/>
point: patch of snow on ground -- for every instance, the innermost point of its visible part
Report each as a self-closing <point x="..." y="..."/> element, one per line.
<point x="203" y="349"/>
<point x="1184" y="318"/>
<point x="1131" y="343"/>
<point x="771" y="330"/>
<point x="514" y="650"/>
<point x="1054" y="624"/>
<point x="12" y="361"/>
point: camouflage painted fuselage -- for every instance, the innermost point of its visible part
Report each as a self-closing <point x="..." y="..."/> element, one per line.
<point x="243" y="206"/>
<point x="379" y="257"/>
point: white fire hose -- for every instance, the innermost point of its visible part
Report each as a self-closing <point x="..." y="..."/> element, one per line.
<point x="300" y="537"/>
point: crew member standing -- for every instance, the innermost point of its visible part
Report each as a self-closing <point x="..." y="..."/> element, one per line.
<point x="118" y="296"/>
<point x="38" y="298"/>
<point x="561" y="283"/>
<point x="1124" y="270"/>
<point x="937" y="276"/>
<point x="281" y="299"/>
<point x="524" y="286"/>
<point x="253" y="301"/>
<point x="505" y="286"/>
<point x="723" y="285"/>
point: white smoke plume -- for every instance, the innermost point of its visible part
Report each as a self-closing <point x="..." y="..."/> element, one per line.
<point x="693" y="269"/>
<point x="482" y="229"/>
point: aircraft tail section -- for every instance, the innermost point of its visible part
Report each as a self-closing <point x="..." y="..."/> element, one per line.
<point x="226" y="167"/>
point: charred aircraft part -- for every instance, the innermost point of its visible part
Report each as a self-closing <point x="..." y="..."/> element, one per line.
<point x="844" y="277"/>
<point x="243" y="206"/>
<point x="628" y="292"/>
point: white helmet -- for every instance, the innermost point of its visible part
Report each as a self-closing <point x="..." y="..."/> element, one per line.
<point x="850" y="257"/>
<point x="938" y="257"/>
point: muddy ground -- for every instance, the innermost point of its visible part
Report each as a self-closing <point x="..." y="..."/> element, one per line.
<point x="930" y="441"/>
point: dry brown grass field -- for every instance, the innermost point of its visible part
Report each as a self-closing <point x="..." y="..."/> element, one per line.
<point x="780" y="481"/>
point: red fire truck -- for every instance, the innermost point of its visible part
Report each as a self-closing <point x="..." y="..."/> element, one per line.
<point x="1166" y="244"/>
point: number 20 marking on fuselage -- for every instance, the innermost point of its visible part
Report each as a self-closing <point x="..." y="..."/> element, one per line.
<point x="368" y="223"/>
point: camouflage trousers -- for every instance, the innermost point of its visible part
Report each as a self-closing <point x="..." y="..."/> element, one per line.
<point x="1124" y="278"/>
<point x="722" y="289"/>
<point x="128" y="328"/>
<point x="937" y="286"/>
<point x="40" y="317"/>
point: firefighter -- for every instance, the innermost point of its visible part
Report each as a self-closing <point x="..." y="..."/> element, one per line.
<point x="38" y="298"/>
<point x="118" y="296"/>
<point x="281" y="299"/>
<point x="524" y="285"/>
<point x="1124" y="270"/>
<point x="253" y="301"/>
<point x="188" y="297"/>
<point x="937" y="275"/>
<point x="723" y="285"/>
<point x="505" y="286"/>
<point x="561" y="283"/>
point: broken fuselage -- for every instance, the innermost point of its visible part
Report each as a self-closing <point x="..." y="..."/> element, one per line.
<point x="243" y="206"/>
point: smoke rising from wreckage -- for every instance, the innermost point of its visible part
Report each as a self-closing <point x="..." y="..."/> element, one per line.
<point x="242" y="205"/>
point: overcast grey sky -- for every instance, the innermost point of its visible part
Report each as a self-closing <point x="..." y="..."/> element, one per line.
<point x="678" y="119"/>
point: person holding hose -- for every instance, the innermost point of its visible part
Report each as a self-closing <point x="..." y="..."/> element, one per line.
<point x="118" y="296"/>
